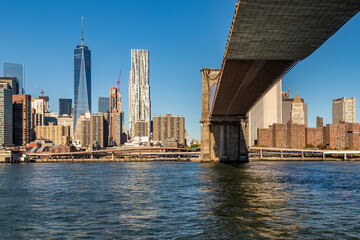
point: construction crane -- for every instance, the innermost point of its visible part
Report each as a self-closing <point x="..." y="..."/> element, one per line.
<point x="118" y="81"/>
<point x="40" y="90"/>
<point x="52" y="107"/>
<point x="288" y="89"/>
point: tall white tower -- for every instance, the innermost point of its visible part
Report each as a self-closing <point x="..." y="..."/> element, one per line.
<point x="139" y="94"/>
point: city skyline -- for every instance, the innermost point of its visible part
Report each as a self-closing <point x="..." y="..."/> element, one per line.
<point x="339" y="56"/>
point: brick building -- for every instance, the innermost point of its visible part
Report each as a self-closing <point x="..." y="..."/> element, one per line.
<point x="166" y="127"/>
<point x="295" y="135"/>
<point x="314" y="136"/>
<point x="335" y="136"/>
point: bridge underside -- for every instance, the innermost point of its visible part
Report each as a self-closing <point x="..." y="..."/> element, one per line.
<point x="243" y="81"/>
<point x="267" y="38"/>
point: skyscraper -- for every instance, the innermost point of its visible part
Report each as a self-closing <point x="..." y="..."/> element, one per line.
<point x="116" y="117"/>
<point x="21" y="119"/>
<point x="6" y="115"/>
<point x="288" y="106"/>
<point x="82" y="79"/>
<point x="344" y="110"/>
<point x="139" y="95"/>
<point x="103" y="104"/>
<point x="16" y="70"/>
<point x="297" y="111"/>
<point x="65" y="106"/>
<point x="267" y="111"/>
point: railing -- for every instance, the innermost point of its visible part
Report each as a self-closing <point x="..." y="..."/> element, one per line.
<point x="262" y="153"/>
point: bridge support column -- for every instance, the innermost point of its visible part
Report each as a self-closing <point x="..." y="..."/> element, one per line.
<point x="224" y="140"/>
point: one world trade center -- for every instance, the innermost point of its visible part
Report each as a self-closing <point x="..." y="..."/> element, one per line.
<point x="82" y="79"/>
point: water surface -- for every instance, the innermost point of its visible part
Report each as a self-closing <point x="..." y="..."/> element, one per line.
<point x="306" y="200"/>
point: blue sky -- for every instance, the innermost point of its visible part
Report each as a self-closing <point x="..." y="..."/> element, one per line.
<point x="182" y="38"/>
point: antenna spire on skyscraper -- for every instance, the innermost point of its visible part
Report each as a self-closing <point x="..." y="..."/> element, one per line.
<point x="82" y="31"/>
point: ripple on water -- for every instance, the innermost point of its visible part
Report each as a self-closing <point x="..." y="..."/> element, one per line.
<point x="180" y="200"/>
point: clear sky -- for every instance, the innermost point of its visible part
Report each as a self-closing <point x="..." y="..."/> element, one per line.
<point x="182" y="37"/>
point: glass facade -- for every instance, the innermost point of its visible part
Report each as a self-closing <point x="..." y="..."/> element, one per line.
<point x="103" y="104"/>
<point x="82" y="81"/>
<point x="16" y="70"/>
<point x="65" y="106"/>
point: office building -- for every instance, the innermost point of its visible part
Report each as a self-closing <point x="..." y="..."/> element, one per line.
<point x="267" y="111"/>
<point x="139" y="95"/>
<point x="39" y="105"/>
<point x="82" y="79"/>
<point x="16" y="70"/>
<point x="295" y="110"/>
<point x="36" y="120"/>
<point x="13" y="84"/>
<point x="59" y="135"/>
<point x="99" y="130"/>
<point x="65" y="106"/>
<point x="116" y="124"/>
<point x="344" y="110"/>
<point x="82" y="132"/>
<point x="21" y="119"/>
<point x="103" y="104"/>
<point x="166" y="127"/>
<point x="319" y="122"/>
<point x="6" y="115"/>
<point x="67" y="120"/>
<point x="51" y="117"/>
<point x="46" y="102"/>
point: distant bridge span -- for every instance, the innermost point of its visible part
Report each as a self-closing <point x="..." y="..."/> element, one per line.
<point x="267" y="38"/>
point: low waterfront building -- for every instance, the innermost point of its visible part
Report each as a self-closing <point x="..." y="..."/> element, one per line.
<point x="63" y="149"/>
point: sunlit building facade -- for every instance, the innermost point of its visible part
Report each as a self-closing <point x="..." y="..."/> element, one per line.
<point x="139" y="95"/>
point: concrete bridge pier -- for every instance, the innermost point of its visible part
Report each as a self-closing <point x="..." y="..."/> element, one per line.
<point x="224" y="140"/>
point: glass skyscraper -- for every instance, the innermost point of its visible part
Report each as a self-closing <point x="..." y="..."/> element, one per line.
<point x="16" y="70"/>
<point x="103" y="104"/>
<point x="65" y="106"/>
<point x="82" y="80"/>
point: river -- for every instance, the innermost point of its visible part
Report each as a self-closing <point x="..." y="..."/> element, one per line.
<point x="282" y="200"/>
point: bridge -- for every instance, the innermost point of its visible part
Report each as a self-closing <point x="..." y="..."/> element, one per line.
<point x="267" y="39"/>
